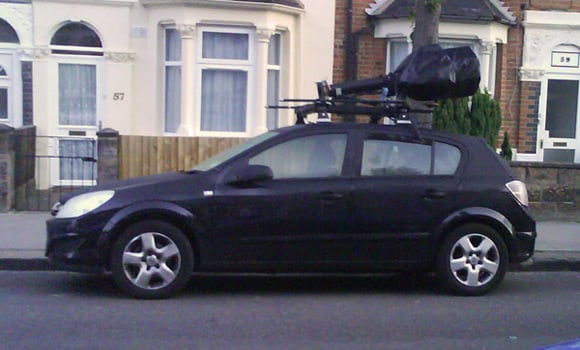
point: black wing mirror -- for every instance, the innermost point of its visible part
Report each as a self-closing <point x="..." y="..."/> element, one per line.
<point x="251" y="174"/>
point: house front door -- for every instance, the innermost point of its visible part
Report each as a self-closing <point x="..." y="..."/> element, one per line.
<point x="78" y="121"/>
<point x="560" y="126"/>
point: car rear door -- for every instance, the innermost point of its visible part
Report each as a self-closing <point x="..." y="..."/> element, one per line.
<point x="404" y="189"/>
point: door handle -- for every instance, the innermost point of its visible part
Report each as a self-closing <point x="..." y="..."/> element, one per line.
<point x="434" y="194"/>
<point x="331" y="196"/>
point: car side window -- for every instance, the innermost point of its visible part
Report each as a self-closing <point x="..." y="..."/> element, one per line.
<point x="447" y="159"/>
<point x="305" y="157"/>
<point x="392" y="158"/>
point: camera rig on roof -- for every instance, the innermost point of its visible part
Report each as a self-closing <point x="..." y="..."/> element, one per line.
<point x="429" y="73"/>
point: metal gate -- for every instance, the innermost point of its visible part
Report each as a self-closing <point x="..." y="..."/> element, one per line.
<point x="49" y="166"/>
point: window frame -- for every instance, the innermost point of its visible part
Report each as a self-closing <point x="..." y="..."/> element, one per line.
<point x="95" y="61"/>
<point x="5" y="84"/>
<point x="248" y="66"/>
<point x="433" y="155"/>
<point x="170" y="63"/>
<point x="274" y="67"/>
<point x="339" y="135"/>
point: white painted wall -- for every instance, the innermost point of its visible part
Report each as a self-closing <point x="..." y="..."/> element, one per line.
<point x="132" y="63"/>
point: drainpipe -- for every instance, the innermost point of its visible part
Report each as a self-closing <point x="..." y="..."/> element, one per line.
<point x="351" y="46"/>
<point x="351" y="43"/>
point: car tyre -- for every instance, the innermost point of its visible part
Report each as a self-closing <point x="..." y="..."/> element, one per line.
<point x="152" y="260"/>
<point x="472" y="260"/>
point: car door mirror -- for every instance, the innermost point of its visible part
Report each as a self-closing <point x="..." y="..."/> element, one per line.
<point x="251" y="174"/>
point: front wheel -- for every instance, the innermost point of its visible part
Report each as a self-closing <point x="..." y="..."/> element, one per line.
<point x="151" y="260"/>
<point x="472" y="261"/>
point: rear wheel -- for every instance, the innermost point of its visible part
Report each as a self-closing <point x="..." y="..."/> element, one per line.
<point x="152" y="260"/>
<point x="473" y="260"/>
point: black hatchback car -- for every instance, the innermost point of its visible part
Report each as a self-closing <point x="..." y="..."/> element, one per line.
<point x="325" y="197"/>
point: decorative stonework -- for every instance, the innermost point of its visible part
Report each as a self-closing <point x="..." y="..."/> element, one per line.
<point x="264" y="34"/>
<point x="19" y="16"/>
<point x="187" y="31"/>
<point x="545" y="31"/>
<point x="487" y="47"/>
<point x="531" y="74"/>
<point x="537" y="48"/>
<point x="36" y="53"/>
<point x="119" y="57"/>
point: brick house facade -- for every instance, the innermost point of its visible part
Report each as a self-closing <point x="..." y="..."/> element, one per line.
<point x="522" y="74"/>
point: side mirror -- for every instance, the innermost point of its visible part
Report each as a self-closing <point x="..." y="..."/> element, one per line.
<point x="252" y="174"/>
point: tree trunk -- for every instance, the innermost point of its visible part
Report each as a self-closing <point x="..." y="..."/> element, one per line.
<point x="426" y="23"/>
<point x="426" y="32"/>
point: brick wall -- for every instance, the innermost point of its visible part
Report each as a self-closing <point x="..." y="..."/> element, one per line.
<point x="369" y="53"/>
<point x="519" y="100"/>
<point x="508" y="90"/>
<point x="528" y="121"/>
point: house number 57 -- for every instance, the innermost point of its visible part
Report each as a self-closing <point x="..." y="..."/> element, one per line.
<point x="118" y="96"/>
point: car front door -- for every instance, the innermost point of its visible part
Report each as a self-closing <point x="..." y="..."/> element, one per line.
<point x="404" y="189"/>
<point x="294" y="218"/>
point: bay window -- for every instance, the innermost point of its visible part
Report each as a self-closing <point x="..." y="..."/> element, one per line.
<point x="274" y="67"/>
<point x="172" y="108"/>
<point x="225" y="72"/>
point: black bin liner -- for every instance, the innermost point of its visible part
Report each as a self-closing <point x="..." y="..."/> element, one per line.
<point x="432" y="73"/>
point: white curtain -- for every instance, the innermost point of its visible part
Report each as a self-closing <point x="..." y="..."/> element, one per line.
<point x="77" y="91"/>
<point x="172" y="45"/>
<point x="172" y="98"/>
<point x="76" y="160"/>
<point x="273" y="98"/>
<point x="229" y="46"/>
<point x="224" y="91"/>
<point x="398" y="50"/>
<point x="172" y="80"/>
<point x="273" y="93"/>
<point x="223" y="100"/>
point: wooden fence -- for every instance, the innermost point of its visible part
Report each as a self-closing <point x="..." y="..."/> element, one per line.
<point x="148" y="155"/>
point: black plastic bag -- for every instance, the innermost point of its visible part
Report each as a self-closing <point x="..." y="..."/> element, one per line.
<point x="432" y="73"/>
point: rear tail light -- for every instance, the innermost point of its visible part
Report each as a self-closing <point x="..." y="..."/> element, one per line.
<point x="519" y="190"/>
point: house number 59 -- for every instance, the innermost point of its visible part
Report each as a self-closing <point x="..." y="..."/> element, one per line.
<point x="118" y="96"/>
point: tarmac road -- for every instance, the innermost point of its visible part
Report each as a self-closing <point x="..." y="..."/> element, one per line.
<point x="59" y="310"/>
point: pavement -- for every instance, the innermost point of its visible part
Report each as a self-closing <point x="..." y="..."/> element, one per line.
<point x="23" y="239"/>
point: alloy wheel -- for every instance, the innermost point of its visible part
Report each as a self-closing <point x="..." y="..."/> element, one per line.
<point x="474" y="260"/>
<point x="151" y="260"/>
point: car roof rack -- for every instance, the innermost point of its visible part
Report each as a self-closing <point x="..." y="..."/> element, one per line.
<point x="333" y="100"/>
<point x="427" y="74"/>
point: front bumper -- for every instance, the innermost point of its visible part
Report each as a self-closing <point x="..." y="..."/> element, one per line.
<point x="523" y="246"/>
<point x="71" y="246"/>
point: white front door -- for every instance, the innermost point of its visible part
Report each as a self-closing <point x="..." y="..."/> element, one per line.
<point x="560" y="125"/>
<point x="79" y="106"/>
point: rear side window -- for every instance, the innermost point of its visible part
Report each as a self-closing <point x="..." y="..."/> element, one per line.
<point x="447" y="159"/>
<point x="391" y="158"/>
<point x="395" y="158"/>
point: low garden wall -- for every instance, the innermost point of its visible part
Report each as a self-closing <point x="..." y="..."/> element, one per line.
<point x="553" y="188"/>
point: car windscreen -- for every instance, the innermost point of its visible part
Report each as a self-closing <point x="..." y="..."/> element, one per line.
<point x="226" y="155"/>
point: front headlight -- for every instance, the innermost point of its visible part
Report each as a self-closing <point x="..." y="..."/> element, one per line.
<point x="83" y="203"/>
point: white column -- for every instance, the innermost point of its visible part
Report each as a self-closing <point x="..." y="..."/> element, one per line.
<point x="260" y="122"/>
<point x="485" y="60"/>
<point x="187" y="85"/>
